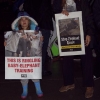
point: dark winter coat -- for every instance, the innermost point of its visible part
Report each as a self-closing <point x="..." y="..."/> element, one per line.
<point x="87" y="16"/>
<point x="41" y="11"/>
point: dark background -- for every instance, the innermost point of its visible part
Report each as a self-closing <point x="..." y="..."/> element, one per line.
<point x="11" y="89"/>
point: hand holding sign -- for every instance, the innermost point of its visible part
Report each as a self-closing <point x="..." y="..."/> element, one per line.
<point x="65" y="12"/>
<point x="87" y="41"/>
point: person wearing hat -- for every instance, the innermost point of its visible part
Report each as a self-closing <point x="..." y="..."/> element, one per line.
<point x="21" y="23"/>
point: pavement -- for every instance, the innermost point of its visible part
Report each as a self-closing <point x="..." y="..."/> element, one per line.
<point x="11" y="89"/>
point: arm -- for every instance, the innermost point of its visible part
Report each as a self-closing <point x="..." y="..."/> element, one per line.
<point x="7" y="34"/>
<point x="64" y="5"/>
<point x="64" y="8"/>
<point x="5" y="42"/>
<point x="88" y="18"/>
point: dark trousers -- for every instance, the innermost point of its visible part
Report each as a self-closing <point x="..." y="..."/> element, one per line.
<point x="87" y="69"/>
<point x="46" y="36"/>
<point x="97" y="61"/>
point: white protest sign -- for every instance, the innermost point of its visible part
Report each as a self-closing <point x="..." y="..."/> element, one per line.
<point x="70" y="34"/>
<point x="23" y="68"/>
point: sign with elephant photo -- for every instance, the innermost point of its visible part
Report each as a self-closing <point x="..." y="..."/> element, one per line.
<point x="70" y="34"/>
<point x="23" y="51"/>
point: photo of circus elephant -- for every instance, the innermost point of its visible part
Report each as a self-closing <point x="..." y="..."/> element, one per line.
<point x="69" y="27"/>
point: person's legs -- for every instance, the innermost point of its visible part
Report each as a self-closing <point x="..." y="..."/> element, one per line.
<point x="68" y="70"/>
<point x="38" y="87"/>
<point x="97" y="66"/>
<point x="97" y="59"/>
<point x="87" y="69"/>
<point x="24" y="83"/>
<point x="68" y="73"/>
<point x="46" y="36"/>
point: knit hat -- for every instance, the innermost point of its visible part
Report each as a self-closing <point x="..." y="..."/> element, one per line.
<point x="20" y="15"/>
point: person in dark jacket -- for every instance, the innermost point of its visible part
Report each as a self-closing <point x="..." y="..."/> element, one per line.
<point x="41" y="11"/>
<point x="87" y="66"/>
<point x="96" y="13"/>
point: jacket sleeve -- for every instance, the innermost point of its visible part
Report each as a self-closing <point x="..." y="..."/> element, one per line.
<point x="96" y="11"/>
<point x="88" y="15"/>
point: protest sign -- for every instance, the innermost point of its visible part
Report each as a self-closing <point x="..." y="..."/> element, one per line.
<point x="23" y="68"/>
<point x="23" y="51"/>
<point x="70" y="34"/>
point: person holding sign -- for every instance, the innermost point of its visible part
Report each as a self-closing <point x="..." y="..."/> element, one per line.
<point x="87" y="66"/>
<point x="22" y="23"/>
<point x="96" y="13"/>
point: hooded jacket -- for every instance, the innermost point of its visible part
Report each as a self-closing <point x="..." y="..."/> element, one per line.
<point x="14" y="36"/>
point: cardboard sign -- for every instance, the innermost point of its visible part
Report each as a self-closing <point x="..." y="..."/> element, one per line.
<point x="70" y="34"/>
<point x="23" y="51"/>
<point x="23" y="68"/>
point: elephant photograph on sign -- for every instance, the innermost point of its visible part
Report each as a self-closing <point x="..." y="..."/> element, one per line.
<point x="69" y="26"/>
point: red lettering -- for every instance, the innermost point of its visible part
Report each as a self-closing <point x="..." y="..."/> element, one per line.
<point x="12" y="65"/>
<point x="11" y="60"/>
<point x="23" y="70"/>
<point x="18" y="60"/>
